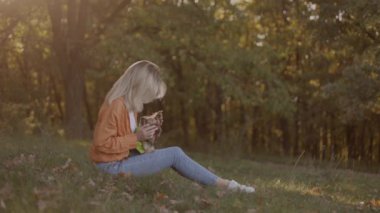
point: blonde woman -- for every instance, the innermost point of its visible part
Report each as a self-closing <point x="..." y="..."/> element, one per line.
<point x="115" y="137"/>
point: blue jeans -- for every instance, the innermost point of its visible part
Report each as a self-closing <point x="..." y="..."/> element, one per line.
<point x="160" y="159"/>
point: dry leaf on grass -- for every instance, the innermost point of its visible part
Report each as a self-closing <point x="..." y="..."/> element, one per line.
<point x="125" y="175"/>
<point x="96" y="203"/>
<point x="45" y="192"/>
<point x="162" y="209"/>
<point x="127" y="195"/>
<point x="68" y="165"/>
<point x="6" y="191"/>
<point x="44" y="204"/>
<point x="160" y="196"/>
<point x="220" y="194"/>
<point x="175" y="202"/>
<point x="167" y="183"/>
<point x="18" y="160"/>
<point x="203" y="201"/>
<point x="45" y="197"/>
<point x="316" y="191"/>
<point x="91" y="182"/>
<point x="197" y="186"/>
<point x="2" y="204"/>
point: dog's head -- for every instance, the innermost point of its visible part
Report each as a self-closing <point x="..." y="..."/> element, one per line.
<point x="153" y="119"/>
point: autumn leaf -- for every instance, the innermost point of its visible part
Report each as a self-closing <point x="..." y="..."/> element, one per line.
<point x="203" y="201"/>
<point x="197" y="186"/>
<point x="220" y="194"/>
<point x="125" y="175"/>
<point x="2" y="204"/>
<point x="18" y="160"/>
<point x="68" y="165"/>
<point x="127" y="195"/>
<point x="160" y="196"/>
<point x="45" y="197"/>
<point x="91" y="182"/>
<point x="6" y="191"/>
<point x="45" y="192"/>
<point x="315" y="191"/>
<point x="251" y="211"/>
<point x="175" y="202"/>
<point x="162" y="209"/>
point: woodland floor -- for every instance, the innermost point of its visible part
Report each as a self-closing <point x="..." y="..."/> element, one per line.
<point x="53" y="175"/>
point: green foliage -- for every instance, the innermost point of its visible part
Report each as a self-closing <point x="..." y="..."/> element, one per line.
<point x="262" y="74"/>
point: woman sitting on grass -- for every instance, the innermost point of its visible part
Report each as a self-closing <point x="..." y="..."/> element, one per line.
<point x="116" y="139"/>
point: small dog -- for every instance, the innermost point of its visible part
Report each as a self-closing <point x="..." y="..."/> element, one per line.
<point x="153" y="119"/>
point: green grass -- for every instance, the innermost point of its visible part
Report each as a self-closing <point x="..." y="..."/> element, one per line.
<point x="50" y="175"/>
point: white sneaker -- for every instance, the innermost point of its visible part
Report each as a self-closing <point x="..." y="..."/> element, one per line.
<point x="235" y="186"/>
<point x="248" y="189"/>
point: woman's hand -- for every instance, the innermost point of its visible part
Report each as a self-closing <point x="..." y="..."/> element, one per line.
<point x="146" y="132"/>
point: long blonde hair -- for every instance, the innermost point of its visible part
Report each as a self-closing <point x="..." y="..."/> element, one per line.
<point x="141" y="83"/>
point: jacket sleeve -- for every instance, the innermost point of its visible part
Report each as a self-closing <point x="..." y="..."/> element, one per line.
<point x="106" y="139"/>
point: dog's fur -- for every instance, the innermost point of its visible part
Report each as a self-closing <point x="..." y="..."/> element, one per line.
<point x="154" y="119"/>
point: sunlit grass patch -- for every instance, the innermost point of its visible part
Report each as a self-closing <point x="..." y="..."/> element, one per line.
<point x="52" y="174"/>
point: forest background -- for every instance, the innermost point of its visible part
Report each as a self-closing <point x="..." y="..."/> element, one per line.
<point x="276" y="77"/>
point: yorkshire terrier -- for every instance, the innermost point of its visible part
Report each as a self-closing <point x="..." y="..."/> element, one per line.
<point x="153" y="119"/>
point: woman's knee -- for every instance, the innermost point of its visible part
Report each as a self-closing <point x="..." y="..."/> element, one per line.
<point x="176" y="150"/>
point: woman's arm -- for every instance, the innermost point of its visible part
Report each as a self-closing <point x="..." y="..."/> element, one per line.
<point x="106" y="137"/>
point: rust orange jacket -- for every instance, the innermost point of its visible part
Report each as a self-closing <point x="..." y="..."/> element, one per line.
<point x="112" y="137"/>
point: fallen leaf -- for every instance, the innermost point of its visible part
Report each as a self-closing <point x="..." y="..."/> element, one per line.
<point x="251" y="211"/>
<point x="203" y="201"/>
<point x="91" y="182"/>
<point x="127" y="195"/>
<point x="95" y="203"/>
<point x="128" y="188"/>
<point x="18" y="160"/>
<point x="50" y="178"/>
<point x="220" y="194"/>
<point x="162" y="209"/>
<point x="6" y="191"/>
<point x="197" y="186"/>
<point x="31" y="158"/>
<point x="175" y="202"/>
<point x="125" y="175"/>
<point x="67" y="164"/>
<point x="44" y="204"/>
<point x="316" y="191"/>
<point x="2" y="204"/>
<point x="160" y="196"/>
<point x="45" y="192"/>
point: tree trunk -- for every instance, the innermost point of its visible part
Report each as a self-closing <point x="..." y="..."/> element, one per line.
<point x="285" y="135"/>
<point x="296" y="132"/>
<point x="218" y="122"/>
<point x="68" y="48"/>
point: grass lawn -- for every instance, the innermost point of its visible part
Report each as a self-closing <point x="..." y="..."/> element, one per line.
<point x="50" y="175"/>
